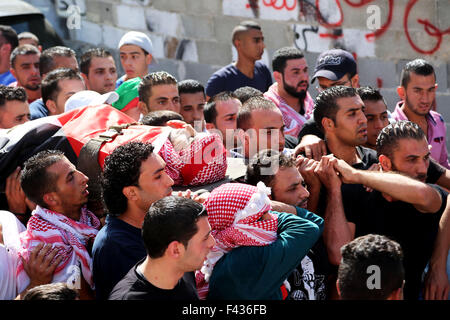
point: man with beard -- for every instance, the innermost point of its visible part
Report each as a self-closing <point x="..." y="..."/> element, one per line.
<point x="25" y="68"/>
<point x="402" y="206"/>
<point x="417" y="92"/>
<point x="290" y="91"/>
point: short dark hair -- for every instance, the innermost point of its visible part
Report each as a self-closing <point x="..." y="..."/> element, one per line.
<point x="86" y="58"/>
<point x="8" y="35"/>
<point x="160" y="117"/>
<point x="247" y="92"/>
<point x="34" y="178"/>
<point x="153" y="79"/>
<point x="284" y="54"/>
<point x="49" y="85"/>
<point x="417" y="66"/>
<point x="122" y="168"/>
<point x="22" y="50"/>
<point x="326" y="105"/>
<point x="243" y="27"/>
<point x="268" y="160"/>
<point x="369" y="93"/>
<point x="46" y="61"/>
<point x="170" y="219"/>
<point x="256" y="103"/>
<point x="52" y="291"/>
<point x="209" y="111"/>
<point x="390" y="135"/>
<point x="363" y="252"/>
<point x="190" y="86"/>
<point x="8" y="93"/>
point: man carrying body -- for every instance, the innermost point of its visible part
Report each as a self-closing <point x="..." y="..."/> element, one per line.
<point x="136" y="54"/>
<point x="248" y="40"/>
<point x="60" y="191"/>
<point x="418" y="91"/>
<point x="128" y="191"/>
<point x="98" y="70"/>
<point x="177" y="238"/>
<point x="25" y="68"/>
<point x="398" y="199"/>
<point x="290" y="92"/>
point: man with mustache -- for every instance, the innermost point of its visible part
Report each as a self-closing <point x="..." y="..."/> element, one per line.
<point x="25" y="68"/>
<point x="290" y="91"/>
<point x="417" y="92"/>
<point x="402" y="206"/>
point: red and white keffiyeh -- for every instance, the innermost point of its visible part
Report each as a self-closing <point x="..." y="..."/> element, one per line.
<point x="234" y="213"/>
<point x="69" y="236"/>
<point x="203" y="162"/>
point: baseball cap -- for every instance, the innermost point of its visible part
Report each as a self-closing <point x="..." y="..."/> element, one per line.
<point x="137" y="38"/>
<point x="128" y="95"/>
<point x="89" y="98"/>
<point x="334" y="64"/>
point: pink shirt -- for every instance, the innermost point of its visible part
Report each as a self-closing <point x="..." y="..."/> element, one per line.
<point x="436" y="135"/>
<point x="293" y="121"/>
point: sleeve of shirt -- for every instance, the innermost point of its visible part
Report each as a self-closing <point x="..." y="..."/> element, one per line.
<point x="435" y="170"/>
<point x="214" y="85"/>
<point x="310" y="216"/>
<point x="258" y="272"/>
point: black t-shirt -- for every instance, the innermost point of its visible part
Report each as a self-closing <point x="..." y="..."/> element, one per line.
<point x="134" y="286"/>
<point x="400" y="221"/>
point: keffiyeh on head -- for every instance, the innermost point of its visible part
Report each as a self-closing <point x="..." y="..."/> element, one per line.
<point x="234" y="213"/>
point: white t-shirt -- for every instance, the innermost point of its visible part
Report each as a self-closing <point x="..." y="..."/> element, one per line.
<point x="11" y="228"/>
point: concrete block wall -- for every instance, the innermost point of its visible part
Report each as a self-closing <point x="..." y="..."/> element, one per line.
<point x="191" y="38"/>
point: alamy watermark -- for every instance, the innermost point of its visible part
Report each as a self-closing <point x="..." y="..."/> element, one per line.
<point x="373" y="21"/>
<point x="374" y="280"/>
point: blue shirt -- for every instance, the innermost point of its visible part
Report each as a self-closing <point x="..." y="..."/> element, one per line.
<point x="118" y="246"/>
<point x="38" y="109"/>
<point x="7" y="78"/>
<point x="229" y="78"/>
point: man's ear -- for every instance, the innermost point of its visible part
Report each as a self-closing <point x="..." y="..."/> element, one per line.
<point x="51" y="106"/>
<point x="385" y="162"/>
<point x="86" y="82"/>
<point x="337" y="289"/>
<point x="148" y="59"/>
<point x="130" y="193"/>
<point x="401" y="92"/>
<point x="278" y="76"/>
<point x="355" y="81"/>
<point x="327" y="123"/>
<point x="175" y="249"/>
<point x="51" y="199"/>
<point x="210" y="126"/>
<point x="143" y="107"/>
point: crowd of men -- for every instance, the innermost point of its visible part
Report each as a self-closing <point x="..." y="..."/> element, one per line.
<point x="334" y="189"/>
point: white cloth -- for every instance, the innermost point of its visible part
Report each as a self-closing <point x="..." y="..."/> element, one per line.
<point x="11" y="228"/>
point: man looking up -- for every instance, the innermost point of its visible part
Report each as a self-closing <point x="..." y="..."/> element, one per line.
<point x="290" y="92"/>
<point x="417" y="92"/>
<point x="136" y="54"/>
<point x="248" y="39"/>
<point x="25" y="68"/>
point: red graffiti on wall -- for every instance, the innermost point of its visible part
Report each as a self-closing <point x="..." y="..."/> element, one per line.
<point x="429" y="28"/>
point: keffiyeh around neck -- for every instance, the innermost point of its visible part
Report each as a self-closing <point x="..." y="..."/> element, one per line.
<point x="69" y="236"/>
<point x="234" y="213"/>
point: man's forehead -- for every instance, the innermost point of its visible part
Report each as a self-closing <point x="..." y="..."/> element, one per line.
<point x="34" y="57"/>
<point x="296" y="63"/>
<point x="347" y="103"/>
<point x="130" y="48"/>
<point x="164" y="91"/>
<point x="228" y="106"/>
<point x="374" y="107"/>
<point x="96" y="61"/>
